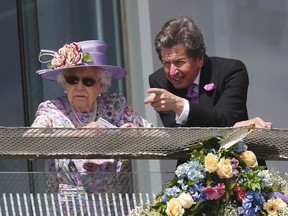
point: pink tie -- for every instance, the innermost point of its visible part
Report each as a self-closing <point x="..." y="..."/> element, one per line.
<point x="192" y="94"/>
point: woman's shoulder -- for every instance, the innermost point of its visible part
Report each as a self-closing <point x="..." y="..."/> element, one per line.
<point x="55" y="103"/>
<point x="112" y="97"/>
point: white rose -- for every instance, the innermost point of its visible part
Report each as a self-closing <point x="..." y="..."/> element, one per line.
<point x="211" y="162"/>
<point x="174" y="208"/>
<point x="249" y="158"/>
<point x="186" y="200"/>
<point x="224" y="169"/>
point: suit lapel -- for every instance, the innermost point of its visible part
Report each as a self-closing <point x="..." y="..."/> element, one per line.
<point x="206" y="97"/>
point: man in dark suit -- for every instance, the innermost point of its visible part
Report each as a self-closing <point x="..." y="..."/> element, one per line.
<point x="220" y="84"/>
<point x="192" y="89"/>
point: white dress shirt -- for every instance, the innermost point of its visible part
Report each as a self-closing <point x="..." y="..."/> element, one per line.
<point x="184" y="115"/>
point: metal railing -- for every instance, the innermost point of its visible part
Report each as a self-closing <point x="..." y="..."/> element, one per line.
<point x="118" y="143"/>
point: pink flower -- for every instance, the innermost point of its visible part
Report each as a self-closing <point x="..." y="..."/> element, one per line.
<point x="214" y="193"/>
<point x="234" y="163"/>
<point x="209" y="87"/>
<point x="68" y="55"/>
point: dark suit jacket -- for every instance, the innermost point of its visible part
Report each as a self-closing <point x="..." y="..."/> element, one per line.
<point x="223" y="106"/>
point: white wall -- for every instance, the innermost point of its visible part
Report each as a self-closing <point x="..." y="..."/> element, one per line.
<point x="254" y="31"/>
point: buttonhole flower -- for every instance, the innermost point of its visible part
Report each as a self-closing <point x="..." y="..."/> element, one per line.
<point x="209" y="87"/>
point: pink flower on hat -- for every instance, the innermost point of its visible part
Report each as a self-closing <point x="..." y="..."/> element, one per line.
<point x="209" y="87"/>
<point x="68" y="55"/>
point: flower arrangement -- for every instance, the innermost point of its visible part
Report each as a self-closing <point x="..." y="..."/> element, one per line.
<point x="68" y="55"/>
<point x="221" y="179"/>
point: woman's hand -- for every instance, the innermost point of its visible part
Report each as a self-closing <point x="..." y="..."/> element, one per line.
<point x="128" y="125"/>
<point x="257" y="121"/>
<point x="93" y="125"/>
<point x="97" y="125"/>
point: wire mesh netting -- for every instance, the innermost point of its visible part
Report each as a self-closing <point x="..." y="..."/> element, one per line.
<point x="141" y="143"/>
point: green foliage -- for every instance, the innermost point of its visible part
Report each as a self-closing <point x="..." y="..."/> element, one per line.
<point x="200" y="150"/>
<point x="87" y="57"/>
<point x="49" y="66"/>
<point x="250" y="180"/>
<point x="154" y="213"/>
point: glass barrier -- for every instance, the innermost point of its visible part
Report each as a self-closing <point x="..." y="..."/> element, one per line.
<point x="27" y="194"/>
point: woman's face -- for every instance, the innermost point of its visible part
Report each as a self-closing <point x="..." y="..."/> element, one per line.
<point x="82" y="85"/>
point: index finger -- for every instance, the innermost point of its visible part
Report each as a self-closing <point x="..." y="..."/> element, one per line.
<point x="155" y="90"/>
<point x="150" y="98"/>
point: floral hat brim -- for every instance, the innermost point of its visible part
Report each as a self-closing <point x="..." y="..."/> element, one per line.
<point x="90" y="53"/>
<point x="51" y="74"/>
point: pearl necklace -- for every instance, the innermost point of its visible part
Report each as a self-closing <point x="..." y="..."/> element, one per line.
<point x="91" y="119"/>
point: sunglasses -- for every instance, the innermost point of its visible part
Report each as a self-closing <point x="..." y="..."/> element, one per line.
<point x="74" y="80"/>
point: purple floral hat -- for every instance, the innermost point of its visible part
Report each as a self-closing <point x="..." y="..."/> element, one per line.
<point x="91" y="53"/>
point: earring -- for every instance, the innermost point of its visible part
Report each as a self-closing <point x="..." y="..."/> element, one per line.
<point x="65" y="92"/>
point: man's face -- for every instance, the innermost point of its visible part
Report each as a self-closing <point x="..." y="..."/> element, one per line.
<point x="180" y="69"/>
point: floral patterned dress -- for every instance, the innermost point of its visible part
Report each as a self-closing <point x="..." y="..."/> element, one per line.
<point x="75" y="176"/>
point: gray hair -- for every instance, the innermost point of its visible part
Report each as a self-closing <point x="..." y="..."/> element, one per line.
<point x="181" y="31"/>
<point x="105" y="78"/>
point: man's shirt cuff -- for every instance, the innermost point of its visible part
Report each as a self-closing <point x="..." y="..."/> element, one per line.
<point x="182" y="119"/>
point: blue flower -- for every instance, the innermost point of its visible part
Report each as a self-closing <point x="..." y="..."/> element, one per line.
<point x="181" y="183"/>
<point x="259" y="197"/>
<point x="196" y="171"/>
<point x="249" y="212"/>
<point x="265" y="177"/>
<point x="195" y="191"/>
<point x="240" y="147"/>
<point x="181" y="170"/>
<point x="193" y="170"/>
<point x="247" y="203"/>
<point x="174" y="191"/>
<point x="252" y="203"/>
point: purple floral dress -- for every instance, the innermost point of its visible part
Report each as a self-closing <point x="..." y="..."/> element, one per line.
<point x="76" y="176"/>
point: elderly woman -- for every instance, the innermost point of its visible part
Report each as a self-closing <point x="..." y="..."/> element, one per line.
<point x="80" y="68"/>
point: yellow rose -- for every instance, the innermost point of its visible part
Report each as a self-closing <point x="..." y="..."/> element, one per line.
<point x="249" y="158"/>
<point x="174" y="208"/>
<point x="186" y="200"/>
<point x="211" y="162"/>
<point x="224" y="169"/>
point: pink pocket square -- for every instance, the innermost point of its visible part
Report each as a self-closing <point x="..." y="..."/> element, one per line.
<point x="209" y="87"/>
